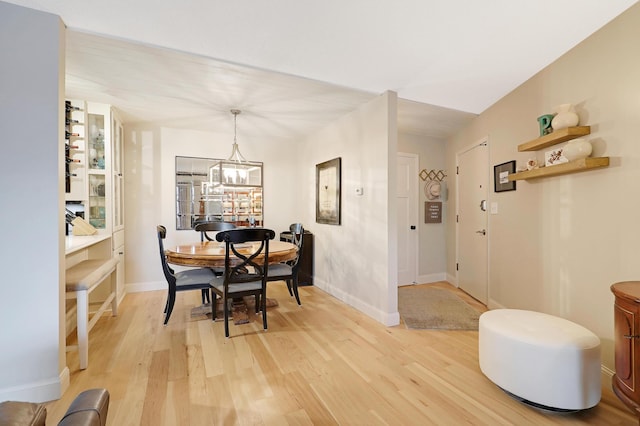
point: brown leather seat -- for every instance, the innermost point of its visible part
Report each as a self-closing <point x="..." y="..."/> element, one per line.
<point x="22" y="413"/>
<point x="89" y="408"/>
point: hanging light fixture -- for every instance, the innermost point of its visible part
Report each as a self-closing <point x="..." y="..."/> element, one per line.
<point x="236" y="170"/>
<point x="236" y="156"/>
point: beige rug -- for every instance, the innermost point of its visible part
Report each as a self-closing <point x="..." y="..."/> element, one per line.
<point x="424" y="308"/>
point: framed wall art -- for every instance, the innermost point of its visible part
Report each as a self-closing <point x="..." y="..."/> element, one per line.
<point x="501" y="172"/>
<point x="328" y="175"/>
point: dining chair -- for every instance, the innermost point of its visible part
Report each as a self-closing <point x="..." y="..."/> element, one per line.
<point x="288" y="271"/>
<point x="245" y="271"/>
<point x="191" y="279"/>
<point x="211" y="225"/>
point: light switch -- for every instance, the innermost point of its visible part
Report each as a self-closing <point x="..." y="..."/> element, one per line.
<point x="494" y="207"/>
<point x="359" y="190"/>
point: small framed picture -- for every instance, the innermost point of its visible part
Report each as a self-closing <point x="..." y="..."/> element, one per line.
<point x="501" y="174"/>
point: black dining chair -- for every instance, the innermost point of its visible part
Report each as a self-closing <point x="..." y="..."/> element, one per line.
<point x="288" y="271"/>
<point x="245" y="271"/>
<point x="210" y="226"/>
<point x="191" y="279"/>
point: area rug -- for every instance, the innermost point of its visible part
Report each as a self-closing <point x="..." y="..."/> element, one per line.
<point x="424" y="308"/>
<point x="239" y="310"/>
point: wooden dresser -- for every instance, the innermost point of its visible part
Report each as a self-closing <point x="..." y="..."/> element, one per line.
<point x="627" y="343"/>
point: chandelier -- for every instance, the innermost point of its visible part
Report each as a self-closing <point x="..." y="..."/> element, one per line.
<point x="236" y="156"/>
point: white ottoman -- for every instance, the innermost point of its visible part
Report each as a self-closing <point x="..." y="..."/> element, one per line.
<point x="546" y="361"/>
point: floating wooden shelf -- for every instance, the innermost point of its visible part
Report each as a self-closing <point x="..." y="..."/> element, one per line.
<point x="562" y="169"/>
<point x="554" y="138"/>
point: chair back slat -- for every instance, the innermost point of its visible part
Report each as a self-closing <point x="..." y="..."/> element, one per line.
<point x="212" y="226"/>
<point x="297" y="234"/>
<point x="240" y="266"/>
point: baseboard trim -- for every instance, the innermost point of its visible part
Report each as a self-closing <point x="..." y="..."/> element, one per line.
<point x="40" y="391"/>
<point x="432" y="278"/>
<point x="452" y="279"/>
<point x="148" y="286"/>
<point x="65" y="380"/>
<point x="388" y="319"/>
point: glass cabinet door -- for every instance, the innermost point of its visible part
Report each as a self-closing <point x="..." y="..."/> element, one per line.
<point x="96" y="152"/>
<point x="97" y="201"/>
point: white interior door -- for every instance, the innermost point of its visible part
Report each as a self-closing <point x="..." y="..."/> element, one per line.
<point x="407" y="203"/>
<point x="473" y="182"/>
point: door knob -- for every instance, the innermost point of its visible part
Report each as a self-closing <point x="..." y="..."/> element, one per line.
<point x="483" y="232"/>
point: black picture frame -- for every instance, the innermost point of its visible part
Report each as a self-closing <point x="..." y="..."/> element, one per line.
<point x="500" y="177"/>
<point x="328" y="192"/>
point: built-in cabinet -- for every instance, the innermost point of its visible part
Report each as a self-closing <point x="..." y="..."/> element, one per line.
<point x="626" y="313"/>
<point x="95" y="141"/>
<point x="555" y="138"/>
<point x="117" y="182"/>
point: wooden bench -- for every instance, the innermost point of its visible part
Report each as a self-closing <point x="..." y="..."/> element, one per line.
<point x="81" y="280"/>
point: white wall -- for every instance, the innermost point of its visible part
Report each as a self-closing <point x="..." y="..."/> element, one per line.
<point x="432" y="260"/>
<point x="150" y="153"/>
<point x="31" y="181"/>
<point x="357" y="261"/>
<point x="559" y="243"/>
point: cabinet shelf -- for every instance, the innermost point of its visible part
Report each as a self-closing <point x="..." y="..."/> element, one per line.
<point x="554" y="138"/>
<point x="580" y="165"/>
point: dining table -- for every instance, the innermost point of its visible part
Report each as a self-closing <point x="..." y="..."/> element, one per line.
<point x="211" y="254"/>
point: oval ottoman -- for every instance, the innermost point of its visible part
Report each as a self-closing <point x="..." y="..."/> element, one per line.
<point x="546" y="361"/>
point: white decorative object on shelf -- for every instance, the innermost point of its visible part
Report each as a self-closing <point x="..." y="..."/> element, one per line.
<point x="565" y="117"/>
<point x="554" y="156"/>
<point x="577" y="149"/>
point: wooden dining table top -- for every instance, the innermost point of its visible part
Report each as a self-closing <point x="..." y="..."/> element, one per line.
<point x="211" y="253"/>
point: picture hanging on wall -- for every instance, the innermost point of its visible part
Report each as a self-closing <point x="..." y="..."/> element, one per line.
<point x="328" y="192"/>
<point x="501" y="172"/>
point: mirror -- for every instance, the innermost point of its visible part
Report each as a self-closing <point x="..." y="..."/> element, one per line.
<point x="214" y="189"/>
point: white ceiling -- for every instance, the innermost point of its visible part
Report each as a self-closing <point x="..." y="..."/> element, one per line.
<point x="294" y="65"/>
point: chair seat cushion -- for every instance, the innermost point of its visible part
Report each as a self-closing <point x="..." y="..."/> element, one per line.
<point x="194" y="276"/>
<point x="218" y="284"/>
<point x="217" y="271"/>
<point x="279" y="270"/>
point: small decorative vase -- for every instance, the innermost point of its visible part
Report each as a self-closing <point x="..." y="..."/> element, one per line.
<point x="565" y="117"/>
<point x="576" y="149"/>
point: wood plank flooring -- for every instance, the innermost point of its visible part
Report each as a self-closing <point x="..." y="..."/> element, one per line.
<point x="323" y="363"/>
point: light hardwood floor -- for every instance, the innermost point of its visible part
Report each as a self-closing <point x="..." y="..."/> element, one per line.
<point x="323" y="363"/>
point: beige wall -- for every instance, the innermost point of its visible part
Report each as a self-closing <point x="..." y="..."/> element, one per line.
<point x="357" y="261"/>
<point x="150" y="153"/>
<point x="432" y="261"/>
<point x="558" y="243"/>
<point x="354" y="261"/>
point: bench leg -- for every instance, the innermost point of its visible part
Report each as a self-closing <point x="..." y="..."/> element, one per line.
<point x="82" y="313"/>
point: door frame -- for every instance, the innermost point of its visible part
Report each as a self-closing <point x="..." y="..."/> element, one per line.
<point x="482" y="141"/>
<point x="416" y="208"/>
